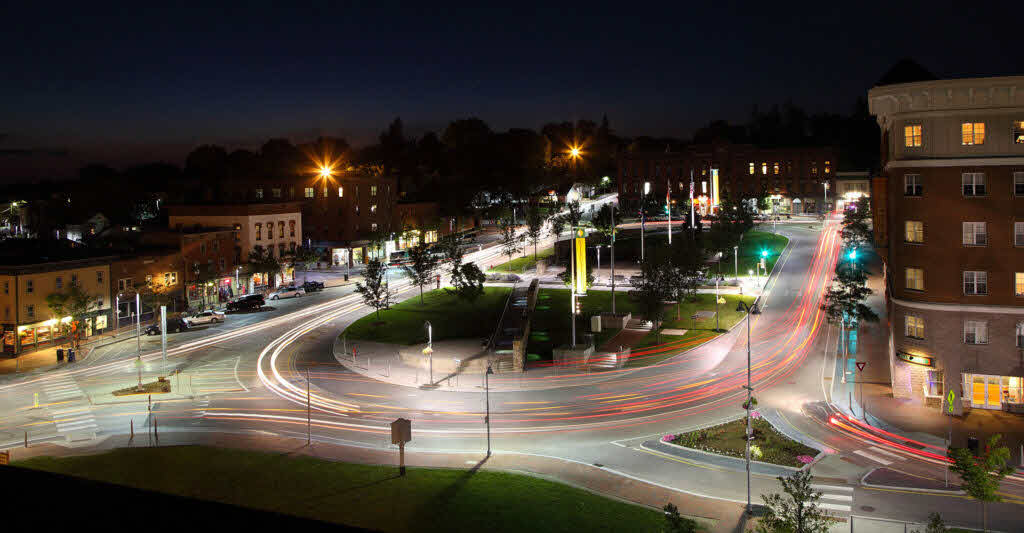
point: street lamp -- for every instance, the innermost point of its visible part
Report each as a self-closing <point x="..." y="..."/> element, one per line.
<point x="736" y="262"/>
<point x="751" y="310"/>
<point x="643" y="217"/>
<point x="487" y="396"/>
<point x="429" y="350"/>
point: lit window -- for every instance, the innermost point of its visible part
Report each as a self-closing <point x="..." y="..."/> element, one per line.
<point x="973" y="183"/>
<point x="975" y="282"/>
<point x="1018" y="132"/>
<point x="914" y="231"/>
<point x="912" y="185"/>
<point x="341" y="191"/>
<point x="30" y="311"/>
<point x="915" y="279"/>
<point x="764" y="168"/>
<point x="912" y="135"/>
<point x="373" y="190"/>
<point x="975" y="332"/>
<point x="309" y="192"/>
<point x="373" y="226"/>
<point x="1018" y="284"/>
<point x="751" y="168"/>
<point x="276" y="192"/>
<point x="828" y="166"/>
<point x="259" y="231"/>
<point x="775" y="167"/>
<point x="1018" y="183"/>
<point x="975" y="234"/>
<point x="914" y="327"/>
<point x="280" y="229"/>
<point x="291" y="228"/>
<point x="1018" y="233"/>
<point x="972" y="133"/>
<point x="373" y="208"/>
<point x="29" y="286"/>
<point x="60" y="283"/>
<point x="933" y="383"/>
<point x="259" y="194"/>
<point x="814" y="169"/>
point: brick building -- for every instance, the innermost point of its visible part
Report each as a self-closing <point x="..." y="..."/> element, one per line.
<point x="949" y="222"/>
<point x="147" y="271"/>
<point x="210" y="259"/>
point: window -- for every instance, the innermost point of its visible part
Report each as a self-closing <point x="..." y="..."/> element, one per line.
<point x="975" y="234"/>
<point x="1018" y="233"/>
<point x="764" y="167"/>
<point x="259" y="231"/>
<point x="202" y="248"/>
<point x="149" y="279"/>
<point x="751" y="168"/>
<point x="912" y="185"/>
<point x="975" y="282"/>
<point x="170" y="278"/>
<point x="912" y="135"/>
<point x="1018" y="183"/>
<point x="270" y="230"/>
<point x="975" y="332"/>
<point x="74" y="278"/>
<point x="1018" y="284"/>
<point x="1020" y="334"/>
<point x="291" y="247"/>
<point x="974" y="183"/>
<point x="914" y="327"/>
<point x="276" y="191"/>
<point x="99" y="301"/>
<point x="373" y="208"/>
<point x="7" y="287"/>
<point x="373" y="190"/>
<point x="309" y="192"/>
<point x="373" y="226"/>
<point x="60" y="283"/>
<point x="814" y="169"/>
<point x="220" y="263"/>
<point x="1018" y="132"/>
<point x="341" y="192"/>
<point x="30" y="311"/>
<point x="280" y="229"/>
<point x="828" y="166"/>
<point x="280" y="250"/>
<point x="29" y="286"/>
<point x="216" y="245"/>
<point x="933" y="383"/>
<point x="259" y="194"/>
<point x="124" y="284"/>
<point x="775" y="167"/>
<point x="291" y="228"/>
<point x="972" y="133"/>
<point x="915" y="279"/>
<point x="914" y="231"/>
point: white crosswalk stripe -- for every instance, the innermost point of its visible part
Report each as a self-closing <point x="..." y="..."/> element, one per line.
<point x="837" y="498"/>
<point x="895" y="456"/>
<point x="868" y="455"/>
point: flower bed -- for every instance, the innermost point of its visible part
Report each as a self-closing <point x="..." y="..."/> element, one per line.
<point x="768" y="446"/>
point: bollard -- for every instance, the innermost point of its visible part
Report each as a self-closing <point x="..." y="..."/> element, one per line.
<point x="156" y="433"/>
<point x="131" y="430"/>
<point x="369" y="364"/>
<point x="149" y="407"/>
<point x="26" y="439"/>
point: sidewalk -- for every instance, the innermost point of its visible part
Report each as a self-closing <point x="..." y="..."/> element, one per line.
<point x="724" y="516"/>
<point x="46" y="357"/>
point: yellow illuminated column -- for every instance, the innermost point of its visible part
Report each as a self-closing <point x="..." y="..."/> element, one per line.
<point x="581" y="262"/>
<point x="714" y="188"/>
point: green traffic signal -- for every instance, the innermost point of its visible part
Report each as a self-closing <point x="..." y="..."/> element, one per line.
<point x="853" y="255"/>
<point x="764" y="253"/>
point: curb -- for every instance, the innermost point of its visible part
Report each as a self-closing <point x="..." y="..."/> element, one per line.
<point x="738" y="465"/>
<point x="899" y="487"/>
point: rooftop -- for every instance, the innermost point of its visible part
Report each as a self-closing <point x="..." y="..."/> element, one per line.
<point x="49" y="254"/>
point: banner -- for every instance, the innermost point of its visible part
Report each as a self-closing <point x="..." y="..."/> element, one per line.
<point x="580" y="280"/>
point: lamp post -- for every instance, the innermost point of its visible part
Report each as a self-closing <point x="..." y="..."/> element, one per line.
<point x="824" y="206"/>
<point x="572" y="287"/>
<point x="430" y="348"/>
<point x="487" y="400"/>
<point x="751" y="310"/>
<point x="736" y="262"/>
<point x="643" y="217"/>
<point x="613" y="258"/>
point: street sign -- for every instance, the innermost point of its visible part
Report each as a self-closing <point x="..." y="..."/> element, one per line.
<point x="950" y="402"/>
<point x="401" y="431"/>
<point x="861" y="365"/>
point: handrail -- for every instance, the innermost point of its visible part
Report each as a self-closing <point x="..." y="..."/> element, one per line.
<point x="501" y="319"/>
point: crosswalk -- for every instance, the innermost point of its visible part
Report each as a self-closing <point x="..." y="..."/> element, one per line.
<point x="60" y="388"/>
<point x="65" y="404"/>
<point x="218" y="377"/>
<point x="835" y="498"/>
<point x="878" y="455"/>
<point x="75" y="421"/>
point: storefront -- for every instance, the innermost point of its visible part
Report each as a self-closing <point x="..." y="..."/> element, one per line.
<point x="48" y="332"/>
<point x="993" y="392"/>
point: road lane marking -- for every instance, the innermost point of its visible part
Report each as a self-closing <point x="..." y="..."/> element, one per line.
<point x="872" y="457"/>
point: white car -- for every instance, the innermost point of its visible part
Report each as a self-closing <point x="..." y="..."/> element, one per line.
<point x="287" y="292"/>
<point x="206" y="317"/>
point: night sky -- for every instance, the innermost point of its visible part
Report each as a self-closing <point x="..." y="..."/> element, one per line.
<point x="125" y="85"/>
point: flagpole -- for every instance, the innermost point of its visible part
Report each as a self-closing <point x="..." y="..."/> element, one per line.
<point x="668" y="207"/>
<point x="693" y="222"/>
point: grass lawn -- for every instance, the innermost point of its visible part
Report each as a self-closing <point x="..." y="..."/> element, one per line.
<point x="695" y="329"/>
<point x="750" y="251"/>
<point x="365" y="496"/>
<point x="728" y="439"/>
<point x="551" y="326"/>
<point x="522" y="264"/>
<point x="450" y="318"/>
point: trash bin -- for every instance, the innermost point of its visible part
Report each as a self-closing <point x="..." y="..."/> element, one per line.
<point x="60" y="354"/>
<point x="71" y="355"/>
<point x="972" y="445"/>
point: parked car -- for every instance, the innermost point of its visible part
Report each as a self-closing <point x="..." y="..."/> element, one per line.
<point x="313" y="286"/>
<point x="174" y="325"/>
<point x="287" y="292"/>
<point x="246" y="303"/>
<point x="205" y="317"/>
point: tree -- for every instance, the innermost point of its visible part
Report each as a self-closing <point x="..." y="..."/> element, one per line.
<point x="508" y="239"/>
<point x="557" y="225"/>
<point x="534" y="226"/>
<point x="374" y="288"/>
<point x="935" y="524"/>
<point x="674" y="523"/>
<point x="262" y="261"/>
<point x="799" y="512"/>
<point x="451" y="252"/>
<point x="844" y="300"/>
<point x="651" y="289"/>
<point x="468" y="283"/>
<point x="686" y="269"/>
<point x="980" y="476"/>
<point x="153" y="293"/>
<point x="72" y="302"/>
<point x="573" y="214"/>
<point x="420" y="270"/>
<point x="306" y="257"/>
<point x="602" y="220"/>
<point x="856" y="233"/>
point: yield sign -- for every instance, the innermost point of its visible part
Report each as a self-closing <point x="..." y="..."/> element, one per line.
<point x="861" y="365"/>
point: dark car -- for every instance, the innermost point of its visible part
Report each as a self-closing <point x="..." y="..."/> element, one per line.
<point x="174" y="325"/>
<point x="246" y="303"/>
<point x="313" y="286"/>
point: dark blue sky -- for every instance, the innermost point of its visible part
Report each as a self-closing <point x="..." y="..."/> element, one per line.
<point x="126" y="84"/>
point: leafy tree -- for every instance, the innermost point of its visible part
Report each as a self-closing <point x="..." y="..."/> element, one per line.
<point x="509" y="240"/>
<point x="307" y="257"/>
<point x="468" y="283"/>
<point x="602" y="220"/>
<point x="557" y="225"/>
<point x="651" y="289"/>
<point x="798" y="512"/>
<point x="573" y="214"/>
<point x="856" y="233"/>
<point x="262" y="261"/>
<point x="980" y="476"/>
<point x="686" y="269"/>
<point x="451" y="254"/>
<point x="534" y="226"/>
<point x="153" y="293"/>
<point x="422" y="266"/>
<point x="76" y="303"/>
<point x="844" y="300"/>
<point x="935" y="524"/>
<point x="674" y="523"/>
<point x="374" y="289"/>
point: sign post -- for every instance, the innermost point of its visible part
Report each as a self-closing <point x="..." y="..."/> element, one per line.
<point x="163" y="331"/>
<point x="950" y="402"/>
<point x="401" y="433"/>
<point x="860" y="385"/>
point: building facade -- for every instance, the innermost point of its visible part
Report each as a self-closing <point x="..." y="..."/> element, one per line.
<point x="27" y="320"/>
<point x="849" y="188"/>
<point x="791" y="179"/>
<point x="211" y="262"/>
<point x="949" y="222"/>
<point x="155" y="274"/>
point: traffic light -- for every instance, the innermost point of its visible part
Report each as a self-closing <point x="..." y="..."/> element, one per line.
<point x="579" y="307"/>
<point x="764" y="253"/>
<point x="853" y="255"/>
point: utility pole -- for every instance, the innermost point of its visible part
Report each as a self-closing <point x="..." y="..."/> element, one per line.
<point x="487" y="400"/>
<point x="668" y="207"/>
<point x="430" y="349"/>
<point x="613" y="258"/>
<point x="309" y="413"/>
<point x="138" y="324"/>
<point x="572" y="286"/>
<point x="742" y="306"/>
